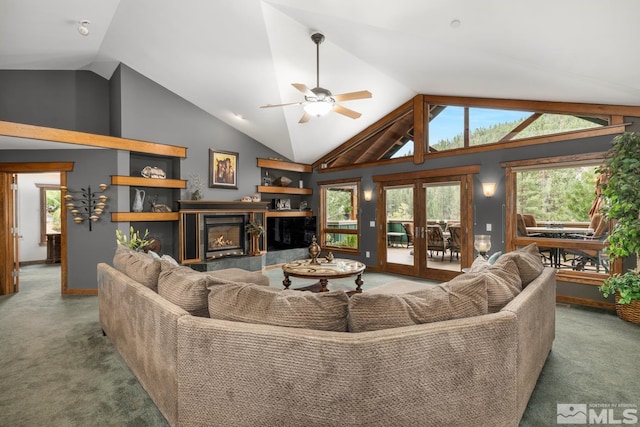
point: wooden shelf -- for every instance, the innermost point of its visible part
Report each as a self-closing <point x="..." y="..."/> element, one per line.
<point x="144" y="216"/>
<point x="289" y="213"/>
<point x="285" y="166"/>
<point x="148" y="182"/>
<point x="273" y="189"/>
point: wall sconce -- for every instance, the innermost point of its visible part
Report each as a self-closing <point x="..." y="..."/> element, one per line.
<point x="88" y="205"/>
<point x="482" y="243"/>
<point x="488" y="189"/>
<point x="368" y="195"/>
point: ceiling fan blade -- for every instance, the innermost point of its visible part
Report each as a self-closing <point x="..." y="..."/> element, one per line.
<point x="279" y="105"/>
<point x="346" y="111"/>
<point x="304" y="89"/>
<point x="305" y="118"/>
<point x="352" y="95"/>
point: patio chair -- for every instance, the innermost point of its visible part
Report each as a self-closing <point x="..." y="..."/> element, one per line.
<point x="408" y="228"/>
<point x="594" y="257"/>
<point x="435" y="240"/>
<point x="454" y="242"/>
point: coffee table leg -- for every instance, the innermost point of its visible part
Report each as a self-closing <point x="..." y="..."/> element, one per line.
<point x="286" y="282"/>
<point x="359" y="283"/>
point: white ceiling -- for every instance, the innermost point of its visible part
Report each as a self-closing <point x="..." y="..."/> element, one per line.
<point x="230" y="57"/>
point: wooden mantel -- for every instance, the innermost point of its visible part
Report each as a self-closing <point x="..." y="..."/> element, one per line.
<point x="221" y="206"/>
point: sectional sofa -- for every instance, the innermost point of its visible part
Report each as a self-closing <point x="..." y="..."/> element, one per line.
<point x="464" y="353"/>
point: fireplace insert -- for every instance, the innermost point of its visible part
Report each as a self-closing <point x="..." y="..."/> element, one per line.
<point x="224" y="235"/>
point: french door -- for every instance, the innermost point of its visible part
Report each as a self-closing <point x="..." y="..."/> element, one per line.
<point x="427" y="225"/>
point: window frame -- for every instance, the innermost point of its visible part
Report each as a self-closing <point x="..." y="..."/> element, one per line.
<point x="324" y="228"/>
<point x="514" y="241"/>
<point x="43" y="209"/>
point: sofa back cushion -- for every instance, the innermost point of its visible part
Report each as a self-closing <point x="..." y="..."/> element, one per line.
<point x="139" y="266"/>
<point x="528" y="261"/>
<point x="503" y="283"/>
<point x="249" y="303"/>
<point x="464" y="296"/>
<point x="186" y="287"/>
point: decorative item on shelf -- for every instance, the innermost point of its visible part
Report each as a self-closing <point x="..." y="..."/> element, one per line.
<point x="256" y="197"/>
<point x="482" y="243"/>
<point x="282" y="204"/>
<point x="138" y="200"/>
<point x="158" y="207"/>
<point x="135" y="242"/>
<point x="304" y="205"/>
<point x="255" y="229"/>
<point x="282" y="181"/>
<point x="153" y="172"/>
<point x="195" y="184"/>
<point x="89" y="205"/>
<point x="314" y="251"/>
<point x="246" y="199"/>
<point x="266" y="179"/>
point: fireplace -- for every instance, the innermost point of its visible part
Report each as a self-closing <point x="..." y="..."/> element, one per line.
<point x="224" y="236"/>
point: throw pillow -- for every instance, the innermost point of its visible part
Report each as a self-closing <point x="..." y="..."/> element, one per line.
<point x="249" y="303"/>
<point x="493" y="258"/>
<point x="139" y="266"/>
<point x="186" y="287"/>
<point x="503" y="283"/>
<point x="464" y="296"/>
<point x="478" y="264"/>
<point x="528" y="261"/>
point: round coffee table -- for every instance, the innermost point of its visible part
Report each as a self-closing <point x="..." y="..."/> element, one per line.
<point x="324" y="271"/>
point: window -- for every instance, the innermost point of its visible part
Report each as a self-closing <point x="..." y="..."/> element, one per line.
<point x="50" y="204"/>
<point x="339" y="208"/>
<point x="554" y="203"/>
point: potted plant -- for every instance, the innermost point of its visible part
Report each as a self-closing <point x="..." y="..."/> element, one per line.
<point x="621" y="189"/>
<point x="135" y="242"/>
<point x="255" y="229"/>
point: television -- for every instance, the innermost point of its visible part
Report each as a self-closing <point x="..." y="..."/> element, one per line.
<point x="290" y="232"/>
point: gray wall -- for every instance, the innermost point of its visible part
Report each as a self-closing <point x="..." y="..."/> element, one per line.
<point x="130" y="106"/>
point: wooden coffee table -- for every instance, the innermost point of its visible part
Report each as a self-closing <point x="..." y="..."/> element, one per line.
<point x="324" y="271"/>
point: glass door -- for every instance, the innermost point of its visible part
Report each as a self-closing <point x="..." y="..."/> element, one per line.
<point x="425" y="227"/>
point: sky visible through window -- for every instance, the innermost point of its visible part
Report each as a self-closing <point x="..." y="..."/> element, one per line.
<point x="450" y="123"/>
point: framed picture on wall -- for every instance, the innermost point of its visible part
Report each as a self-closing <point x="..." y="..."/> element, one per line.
<point x="223" y="169"/>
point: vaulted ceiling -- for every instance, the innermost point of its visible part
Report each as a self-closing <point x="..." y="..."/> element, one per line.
<point x="230" y="57"/>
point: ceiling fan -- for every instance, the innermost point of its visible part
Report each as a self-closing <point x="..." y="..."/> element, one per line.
<point x="319" y="101"/>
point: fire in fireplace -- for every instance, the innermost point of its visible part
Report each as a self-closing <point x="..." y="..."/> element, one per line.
<point x="224" y="235"/>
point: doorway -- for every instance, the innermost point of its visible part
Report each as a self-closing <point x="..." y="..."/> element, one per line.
<point x="427" y="224"/>
<point x="30" y="221"/>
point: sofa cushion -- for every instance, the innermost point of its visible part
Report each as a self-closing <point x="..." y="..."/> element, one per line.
<point x="139" y="266"/>
<point x="464" y="296"/>
<point x="479" y="264"/>
<point x="186" y="288"/>
<point x="503" y="283"/>
<point x="249" y="303"/>
<point x="240" y="275"/>
<point x="528" y="261"/>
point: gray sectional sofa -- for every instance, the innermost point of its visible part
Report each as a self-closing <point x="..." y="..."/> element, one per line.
<point x="233" y="370"/>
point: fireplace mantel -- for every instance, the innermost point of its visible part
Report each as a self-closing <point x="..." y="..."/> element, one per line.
<point x="221" y="206"/>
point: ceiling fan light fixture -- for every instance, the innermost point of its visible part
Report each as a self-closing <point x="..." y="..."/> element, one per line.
<point x="318" y="108"/>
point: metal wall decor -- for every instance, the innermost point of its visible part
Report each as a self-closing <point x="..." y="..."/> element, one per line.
<point x="86" y="204"/>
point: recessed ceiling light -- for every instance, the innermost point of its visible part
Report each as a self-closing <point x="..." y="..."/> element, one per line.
<point x="455" y="23"/>
<point x="83" y="29"/>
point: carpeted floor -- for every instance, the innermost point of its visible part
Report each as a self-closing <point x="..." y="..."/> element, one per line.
<point x="56" y="368"/>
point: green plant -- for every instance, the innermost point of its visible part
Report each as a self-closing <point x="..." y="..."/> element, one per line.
<point x="134" y="242"/>
<point x="254" y="228"/>
<point x="620" y="189"/>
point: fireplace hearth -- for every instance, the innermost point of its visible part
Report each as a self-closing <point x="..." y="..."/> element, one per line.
<point x="224" y="236"/>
